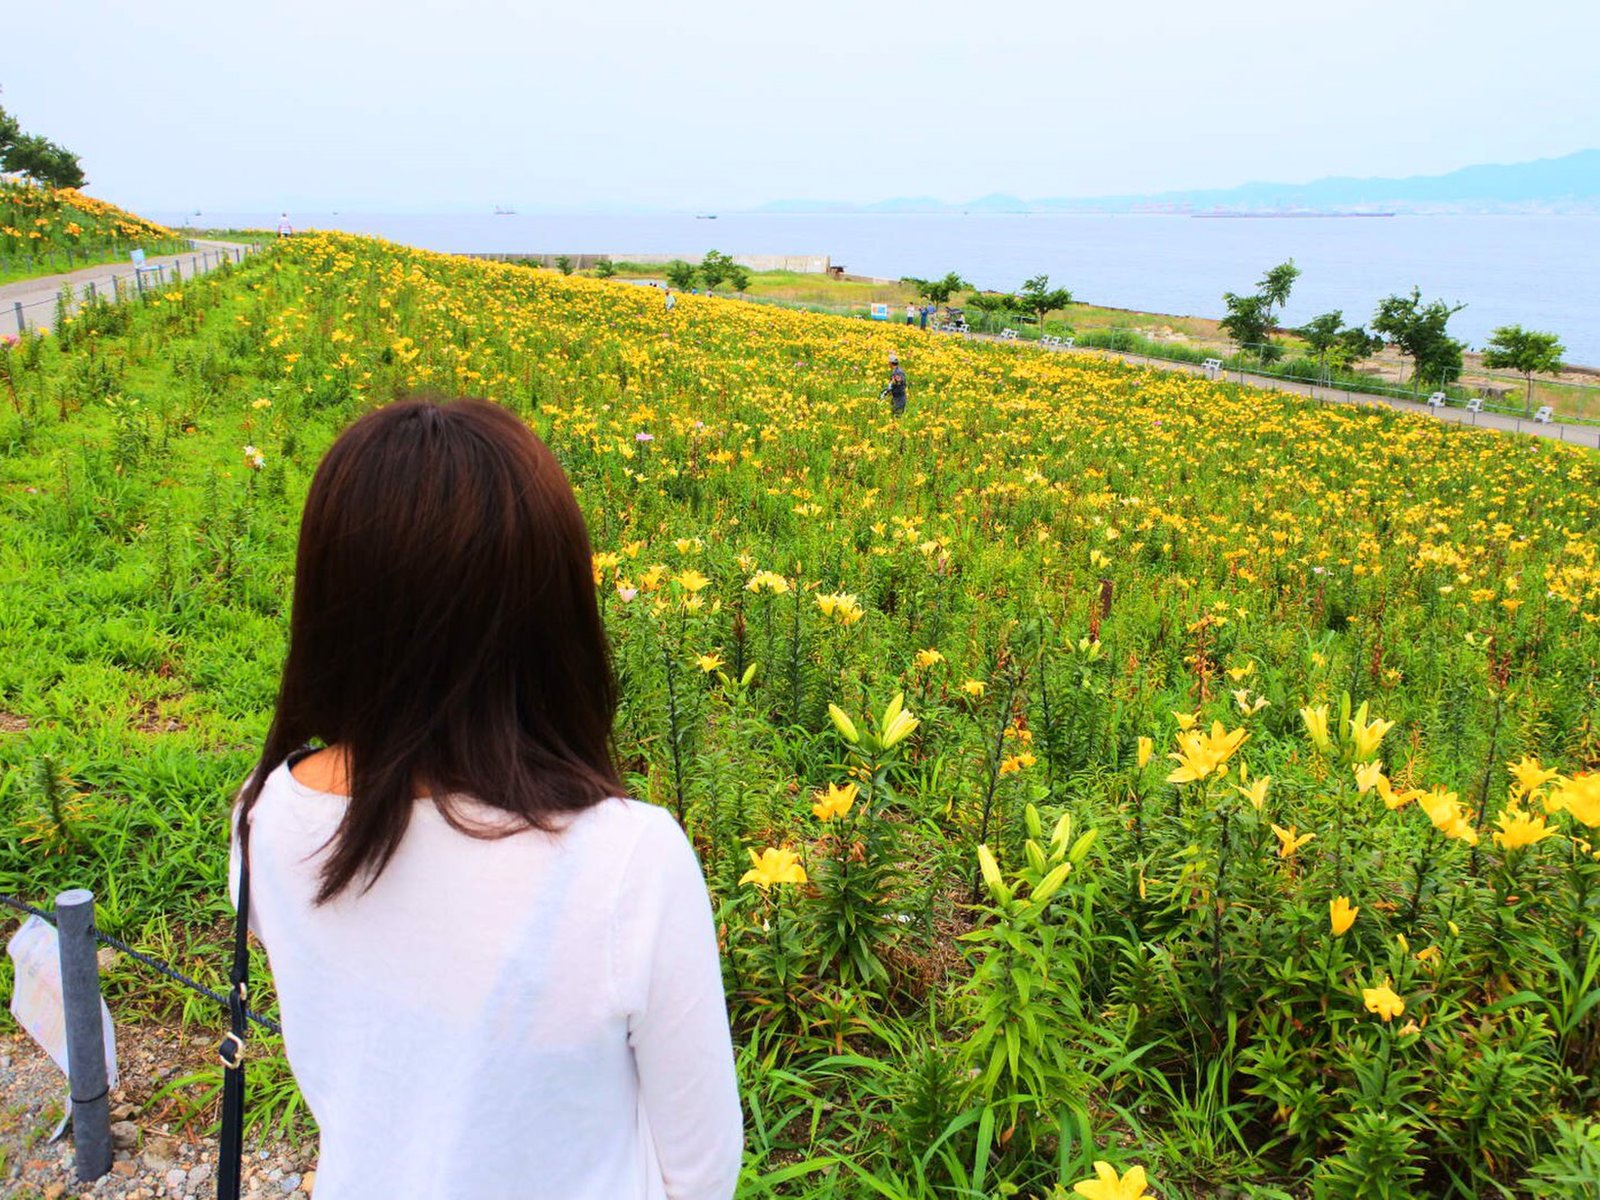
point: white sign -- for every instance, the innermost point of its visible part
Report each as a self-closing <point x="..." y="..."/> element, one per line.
<point x="880" y="312"/>
<point x="36" y="995"/>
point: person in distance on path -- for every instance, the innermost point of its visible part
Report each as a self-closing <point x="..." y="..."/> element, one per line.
<point x="498" y="975"/>
<point x="895" y="389"/>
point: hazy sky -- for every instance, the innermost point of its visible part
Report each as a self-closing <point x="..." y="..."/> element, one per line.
<point x="423" y="105"/>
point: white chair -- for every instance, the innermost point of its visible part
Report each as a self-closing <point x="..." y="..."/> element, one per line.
<point x="1437" y="400"/>
<point x="1475" y="405"/>
<point x="1545" y="415"/>
<point x="1067" y="343"/>
<point x="1212" y="367"/>
<point x="1008" y="335"/>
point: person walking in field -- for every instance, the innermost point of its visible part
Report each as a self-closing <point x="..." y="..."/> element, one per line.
<point x="895" y="389"/>
<point x="284" y="228"/>
<point x="911" y="313"/>
<point x="498" y="975"/>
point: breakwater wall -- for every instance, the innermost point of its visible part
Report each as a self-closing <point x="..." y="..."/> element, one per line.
<point x="804" y="264"/>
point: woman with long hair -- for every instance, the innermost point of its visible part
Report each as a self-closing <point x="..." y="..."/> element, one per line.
<point x="497" y="977"/>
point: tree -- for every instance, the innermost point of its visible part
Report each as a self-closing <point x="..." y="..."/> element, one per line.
<point x="680" y="274"/>
<point x="36" y="157"/>
<point x="1251" y="320"/>
<point x="564" y="264"/>
<point x="738" y="278"/>
<point x="937" y="290"/>
<point x="1249" y="324"/>
<point x="1331" y="341"/>
<point x="940" y="290"/>
<point x="714" y="267"/>
<point x="991" y="304"/>
<point x="1039" y="298"/>
<point x="1418" y="331"/>
<point x="604" y="268"/>
<point x="1276" y="285"/>
<point x="1524" y="350"/>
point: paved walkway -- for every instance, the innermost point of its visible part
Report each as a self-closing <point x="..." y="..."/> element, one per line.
<point x="37" y="296"/>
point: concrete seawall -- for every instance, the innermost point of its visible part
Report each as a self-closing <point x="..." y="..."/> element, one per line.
<point x="804" y="264"/>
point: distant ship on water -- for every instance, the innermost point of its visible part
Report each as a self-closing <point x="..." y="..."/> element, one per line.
<point x="1281" y="215"/>
<point x="705" y="216"/>
<point x="504" y="212"/>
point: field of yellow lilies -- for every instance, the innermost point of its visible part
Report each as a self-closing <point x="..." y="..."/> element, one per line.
<point x="1109" y="783"/>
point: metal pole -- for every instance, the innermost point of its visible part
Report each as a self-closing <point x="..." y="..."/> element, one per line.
<point x="86" y="1047"/>
<point x="21" y="327"/>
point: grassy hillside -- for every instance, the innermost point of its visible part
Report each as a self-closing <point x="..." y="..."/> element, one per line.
<point x="1181" y="808"/>
<point x="45" y="230"/>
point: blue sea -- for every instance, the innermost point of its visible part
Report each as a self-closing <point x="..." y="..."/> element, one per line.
<point x="1541" y="272"/>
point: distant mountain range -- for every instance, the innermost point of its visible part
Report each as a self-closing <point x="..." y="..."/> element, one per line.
<point x="1569" y="184"/>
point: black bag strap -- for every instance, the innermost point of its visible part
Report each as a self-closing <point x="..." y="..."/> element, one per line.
<point x="231" y="1051"/>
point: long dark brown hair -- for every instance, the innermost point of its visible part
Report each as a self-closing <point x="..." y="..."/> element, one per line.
<point x="444" y="632"/>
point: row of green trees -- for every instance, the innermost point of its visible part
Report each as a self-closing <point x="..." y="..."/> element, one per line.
<point x="1418" y="329"/>
<point x="37" y="157"/>
<point x="1035" y="299"/>
<point x="715" y="269"/>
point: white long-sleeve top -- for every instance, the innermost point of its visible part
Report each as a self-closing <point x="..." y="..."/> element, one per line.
<point x="539" y="1016"/>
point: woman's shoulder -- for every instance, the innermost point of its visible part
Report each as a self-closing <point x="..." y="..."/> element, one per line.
<point x="634" y="824"/>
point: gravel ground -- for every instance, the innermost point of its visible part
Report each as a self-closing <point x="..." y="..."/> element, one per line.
<point x="156" y="1158"/>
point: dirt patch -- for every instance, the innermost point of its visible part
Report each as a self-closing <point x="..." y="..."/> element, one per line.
<point x="11" y="722"/>
<point x="150" y="719"/>
<point x="157" y="1155"/>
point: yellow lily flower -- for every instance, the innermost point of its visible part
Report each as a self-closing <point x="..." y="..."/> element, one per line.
<point x="1531" y="775"/>
<point x="1255" y="792"/>
<point x="1368" y="775"/>
<point x="1519" y="829"/>
<point x="1391" y="798"/>
<point x="774" y="865"/>
<point x="692" y="581"/>
<point x="1288" y="840"/>
<point x="1316" y="721"/>
<point x="1146" y="749"/>
<point x="1365" y="735"/>
<point x="897" y="724"/>
<point x="1341" y="915"/>
<point x="1383" y="1001"/>
<point x="709" y="662"/>
<point x="1108" y="1185"/>
<point x="836" y="801"/>
<point x="1580" y="796"/>
<point x="1199" y="754"/>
